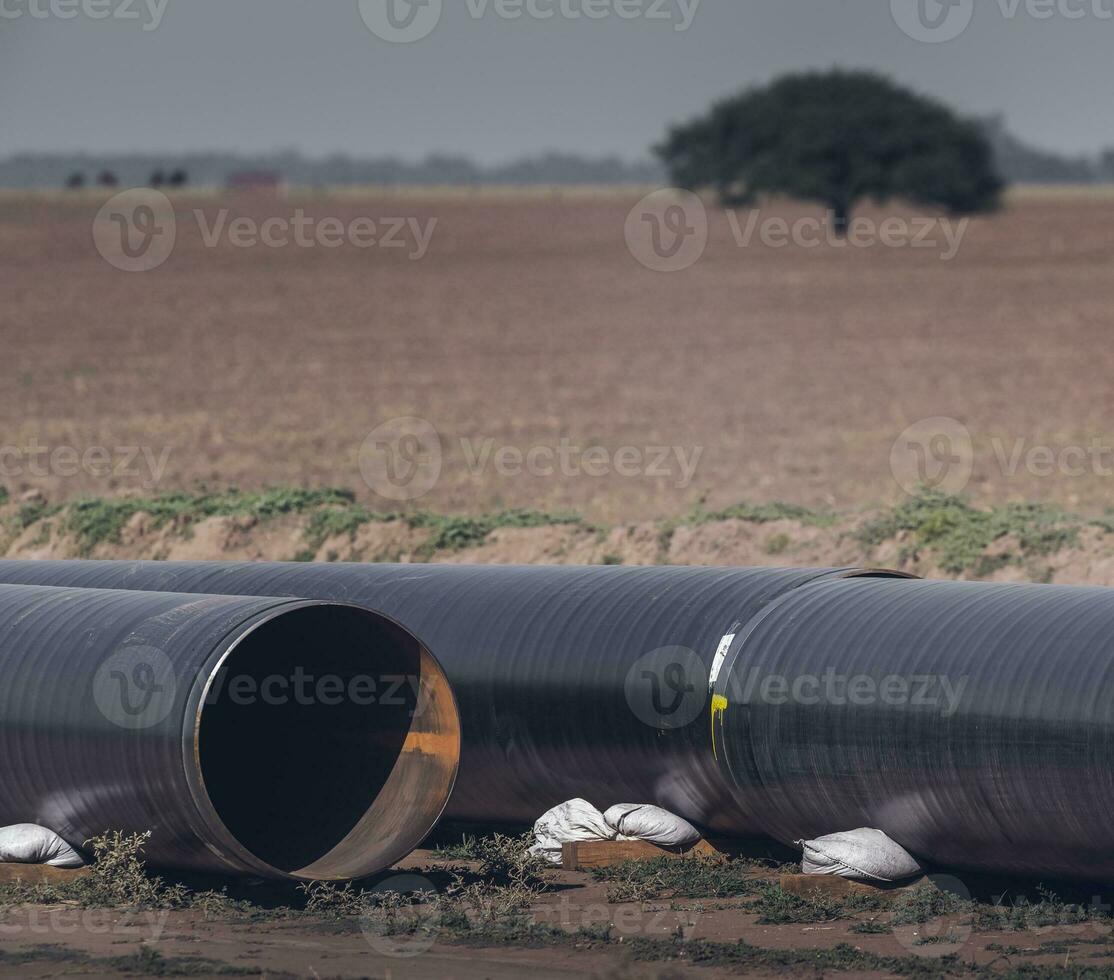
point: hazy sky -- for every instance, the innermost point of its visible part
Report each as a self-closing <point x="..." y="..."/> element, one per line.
<point x="309" y="74"/>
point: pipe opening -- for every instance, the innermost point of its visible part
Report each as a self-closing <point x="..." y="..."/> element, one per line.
<point x="317" y="724"/>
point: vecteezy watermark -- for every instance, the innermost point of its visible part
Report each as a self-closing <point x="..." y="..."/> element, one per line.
<point x="305" y="688"/>
<point x="938" y="454"/>
<point x="938" y="21"/>
<point x="626" y="918"/>
<point x="136" y="231"/>
<point x="135" y="687"/>
<point x="565" y="458"/>
<point x="667" y="231"/>
<point x="405" y="914"/>
<point x="37" y="922"/>
<point x="407" y="21"/>
<point x="832" y="687"/>
<point x="131" y="462"/>
<point x="405" y="918"/>
<point x="149" y="12"/>
<point x="401" y="21"/>
<point x="402" y="459"/>
<point x="939" y="234"/>
<point x="667" y="688"/>
<point x="939" y="936"/>
<point x="304" y="231"/>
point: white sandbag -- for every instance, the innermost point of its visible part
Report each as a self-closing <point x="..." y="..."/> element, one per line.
<point x="864" y="854"/>
<point x="641" y="821"/>
<point x="568" y="823"/>
<point x="26" y="843"/>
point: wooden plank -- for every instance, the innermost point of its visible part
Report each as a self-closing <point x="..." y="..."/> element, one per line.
<point x="832" y="886"/>
<point x="37" y="873"/>
<point x="605" y="853"/>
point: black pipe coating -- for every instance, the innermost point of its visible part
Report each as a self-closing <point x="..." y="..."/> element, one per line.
<point x="145" y="711"/>
<point x="571" y="682"/>
<point x="972" y="722"/>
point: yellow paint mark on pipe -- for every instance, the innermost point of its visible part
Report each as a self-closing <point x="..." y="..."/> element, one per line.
<point x="719" y="706"/>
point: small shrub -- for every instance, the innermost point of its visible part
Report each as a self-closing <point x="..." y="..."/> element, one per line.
<point x="1022" y="914"/>
<point x="871" y="928"/>
<point x="681" y="878"/>
<point x="927" y="902"/>
<point x="776" y="906"/>
<point x="455" y="533"/>
<point x="761" y="514"/>
<point x="778" y="544"/>
<point x="959" y="534"/>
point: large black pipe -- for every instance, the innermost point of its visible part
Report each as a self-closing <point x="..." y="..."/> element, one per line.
<point x="571" y="682"/>
<point x="239" y="731"/>
<point x="972" y="722"/>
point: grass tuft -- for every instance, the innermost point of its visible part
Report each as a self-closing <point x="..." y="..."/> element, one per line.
<point x="761" y="514"/>
<point x="639" y="881"/>
<point x="101" y="520"/>
<point x="959" y="535"/>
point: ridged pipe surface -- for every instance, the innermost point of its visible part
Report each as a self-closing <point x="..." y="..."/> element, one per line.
<point x="120" y="710"/>
<point x="567" y="678"/>
<point x="979" y="733"/>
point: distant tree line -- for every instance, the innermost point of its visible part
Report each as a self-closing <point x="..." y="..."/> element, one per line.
<point x="214" y="169"/>
<point x="108" y="178"/>
<point x="1023" y="164"/>
<point x="1015" y="161"/>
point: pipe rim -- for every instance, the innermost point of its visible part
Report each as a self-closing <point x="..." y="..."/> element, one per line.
<point x="411" y="800"/>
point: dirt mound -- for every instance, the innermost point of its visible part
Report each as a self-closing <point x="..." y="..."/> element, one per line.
<point x="933" y="535"/>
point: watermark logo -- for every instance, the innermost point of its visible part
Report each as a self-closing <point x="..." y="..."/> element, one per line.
<point x="135" y="230"/>
<point x="937" y="692"/>
<point x="675" y="463"/>
<point x="401" y="459"/>
<point x="622" y="917"/>
<point x="150" y="12"/>
<point x="393" y="930"/>
<point x="937" y="21"/>
<point x="143" y="463"/>
<point x="49" y="923"/>
<point x="679" y="13"/>
<point x="304" y="231"/>
<point x="667" y="688"/>
<point x="939" y="936"/>
<point x="667" y="231"/>
<point x="933" y="21"/>
<point x="936" y="453"/>
<point x="330" y="690"/>
<point x="401" y="21"/>
<point x="939" y="234"/>
<point x="407" y="21"/>
<point x="135" y="687"/>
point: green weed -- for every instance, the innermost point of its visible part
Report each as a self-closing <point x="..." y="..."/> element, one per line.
<point x="959" y="535"/>
<point x="680" y="878"/>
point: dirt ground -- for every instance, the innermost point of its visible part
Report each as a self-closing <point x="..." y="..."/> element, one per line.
<point x="48" y="941"/>
<point x="779" y="374"/>
<point x="791" y="370"/>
